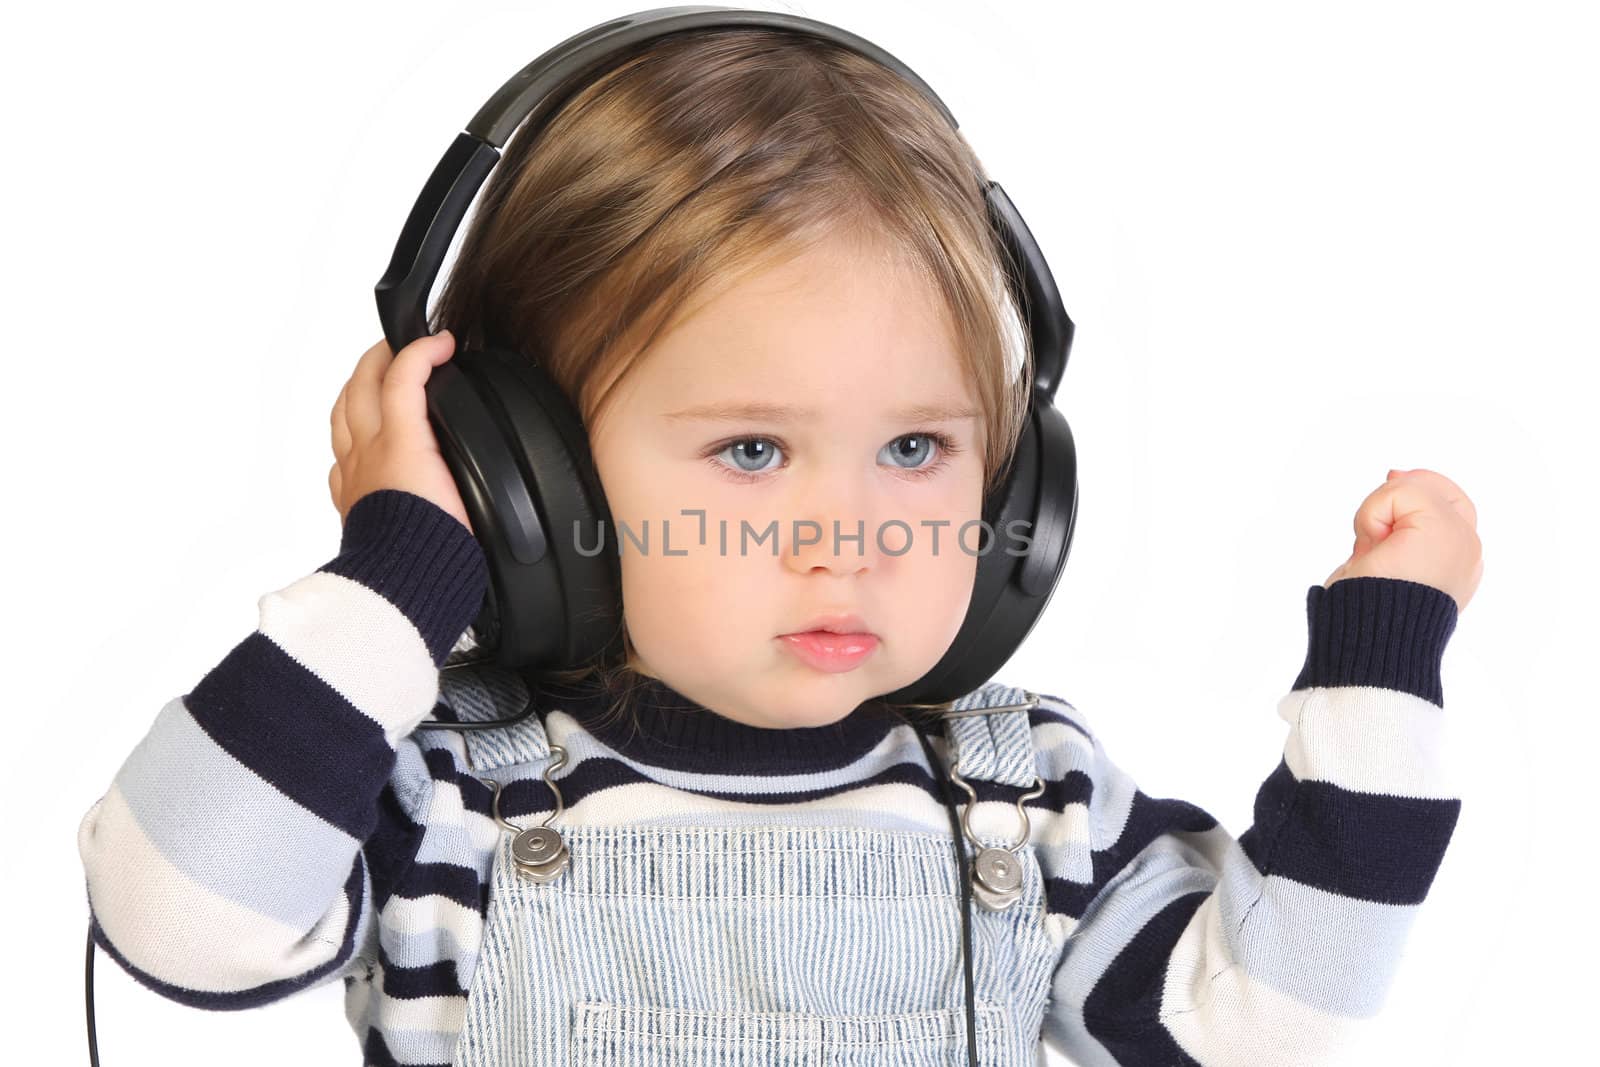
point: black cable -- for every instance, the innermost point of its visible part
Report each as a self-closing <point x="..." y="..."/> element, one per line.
<point x="966" y="893"/>
<point x="88" y="997"/>
<point x="485" y="724"/>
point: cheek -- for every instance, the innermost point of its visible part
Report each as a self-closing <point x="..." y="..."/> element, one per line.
<point x="676" y="602"/>
<point x="936" y="580"/>
<point x="945" y="581"/>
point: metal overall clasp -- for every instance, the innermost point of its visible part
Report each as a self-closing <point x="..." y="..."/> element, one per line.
<point x="539" y="853"/>
<point x="997" y="872"/>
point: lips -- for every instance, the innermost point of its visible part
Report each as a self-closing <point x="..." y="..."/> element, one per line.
<point x="830" y="652"/>
<point x="835" y="623"/>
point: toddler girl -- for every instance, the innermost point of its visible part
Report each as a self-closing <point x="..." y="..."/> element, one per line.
<point x="759" y="267"/>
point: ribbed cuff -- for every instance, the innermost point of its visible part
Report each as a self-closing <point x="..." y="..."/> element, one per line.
<point x="419" y="557"/>
<point x="1388" y="632"/>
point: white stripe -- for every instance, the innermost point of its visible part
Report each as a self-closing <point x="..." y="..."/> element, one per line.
<point x="1063" y="829"/>
<point x="357" y="642"/>
<point x="1368" y="739"/>
<point x="431" y="913"/>
<point x="1245" y="1023"/>
<point x="456" y="835"/>
<point x="178" y="931"/>
<point x="1058" y="927"/>
<point x="444" y="1014"/>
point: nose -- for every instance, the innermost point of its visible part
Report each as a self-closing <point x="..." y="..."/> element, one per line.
<point x="841" y="539"/>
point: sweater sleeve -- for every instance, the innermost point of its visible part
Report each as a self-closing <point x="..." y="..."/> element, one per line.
<point x="235" y="857"/>
<point x="1188" y="946"/>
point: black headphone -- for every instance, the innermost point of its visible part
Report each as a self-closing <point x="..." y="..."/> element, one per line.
<point x="520" y="456"/>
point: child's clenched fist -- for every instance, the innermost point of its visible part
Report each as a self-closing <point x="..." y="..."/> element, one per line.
<point x="1419" y="526"/>
<point x="381" y="435"/>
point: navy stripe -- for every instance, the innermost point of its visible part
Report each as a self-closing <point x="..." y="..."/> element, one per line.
<point x="1386" y="632"/>
<point x="437" y="979"/>
<point x="1121" y="1011"/>
<point x="392" y="846"/>
<point x="450" y="880"/>
<point x="420" y="558"/>
<point x="295" y="730"/>
<point x="1366" y="845"/>
<point x="1148" y="818"/>
<point x="1074" y="787"/>
<point x="1063" y="896"/>
<point x="441" y="763"/>
<point x="258" y="995"/>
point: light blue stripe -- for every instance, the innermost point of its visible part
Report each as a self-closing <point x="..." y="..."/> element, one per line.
<point x="420" y="1046"/>
<point x="424" y="948"/>
<point x="1072" y="860"/>
<point x="1333" y="952"/>
<point x="228" y="829"/>
<point x="452" y="844"/>
<point x="899" y="746"/>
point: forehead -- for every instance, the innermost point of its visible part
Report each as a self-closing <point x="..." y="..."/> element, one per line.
<point x="838" y="325"/>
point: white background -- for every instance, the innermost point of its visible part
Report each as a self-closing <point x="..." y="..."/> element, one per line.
<point x="1302" y="244"/>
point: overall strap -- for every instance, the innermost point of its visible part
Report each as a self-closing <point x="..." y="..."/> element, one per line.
<point x="483" y="691"/>
<point x="990" y="736"/>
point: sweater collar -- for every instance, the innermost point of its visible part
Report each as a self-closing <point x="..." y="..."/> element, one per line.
<point x="664" y="728"/>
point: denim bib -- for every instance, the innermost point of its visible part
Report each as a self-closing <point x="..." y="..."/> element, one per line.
<point x="756" y="946"/>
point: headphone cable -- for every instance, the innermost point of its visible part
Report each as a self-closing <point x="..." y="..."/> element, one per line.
<point x="88" y="997"/>
<point x="966" y="892"/>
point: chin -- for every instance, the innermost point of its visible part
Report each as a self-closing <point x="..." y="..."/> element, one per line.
<point x="821" y="716"/>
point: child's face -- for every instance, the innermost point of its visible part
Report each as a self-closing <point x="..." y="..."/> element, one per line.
<point x="842" y="333"/>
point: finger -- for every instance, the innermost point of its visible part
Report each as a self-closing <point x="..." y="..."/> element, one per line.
<point x="404" y="398"/>
<point x="1448" y="489"/>
<point x="1374" y="519"/>
<point x="340" y="427"/>
<point x="1466" y="508"/>
<point x="363" y="408"/>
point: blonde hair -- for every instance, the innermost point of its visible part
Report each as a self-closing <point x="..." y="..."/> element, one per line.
<point x="704" y="157"/>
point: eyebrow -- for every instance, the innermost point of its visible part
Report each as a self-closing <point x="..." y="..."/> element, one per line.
<point x="759" y="411"/>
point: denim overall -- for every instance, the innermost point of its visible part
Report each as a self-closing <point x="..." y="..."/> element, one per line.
<point x="764" y="945"/>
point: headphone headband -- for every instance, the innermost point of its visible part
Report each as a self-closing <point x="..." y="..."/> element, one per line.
<point x="539" y="89"/>
<point x="548" y="79"/>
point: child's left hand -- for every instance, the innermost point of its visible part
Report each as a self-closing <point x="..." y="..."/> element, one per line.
<point x="1419" y="526"/>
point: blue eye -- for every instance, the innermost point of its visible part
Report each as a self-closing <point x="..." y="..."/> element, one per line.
<point x="757" y="449"/>
<point x="758" y="452"/>
<point x="921" y="444"/>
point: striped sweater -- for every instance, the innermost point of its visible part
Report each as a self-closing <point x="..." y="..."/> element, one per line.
<point x="372" y="841"/>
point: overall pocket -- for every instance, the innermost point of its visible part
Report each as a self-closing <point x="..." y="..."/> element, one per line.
<point x="614" y="1035"/>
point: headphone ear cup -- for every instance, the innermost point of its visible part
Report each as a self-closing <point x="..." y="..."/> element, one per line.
<point x="521" y="461"/>
<point x="1015" y="577"/>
